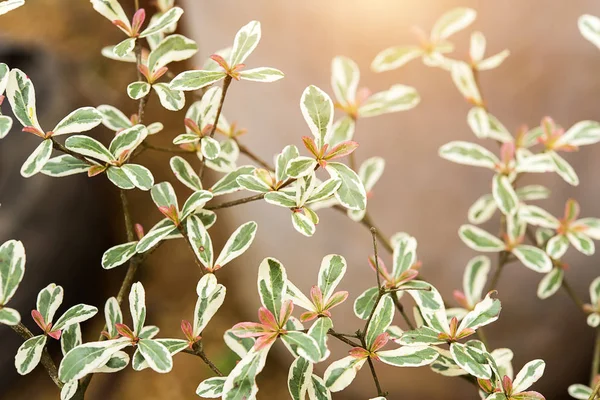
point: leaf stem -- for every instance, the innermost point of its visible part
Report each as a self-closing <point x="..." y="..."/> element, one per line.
<point x="246" y="151"/>
<point x="226" y="83"/>
<point x="373" y="372"/>
<point x="595" y="363"/>
<point x="46" y="360"/>
<point x="188" y="241"/>
<point x="401" y="310"/>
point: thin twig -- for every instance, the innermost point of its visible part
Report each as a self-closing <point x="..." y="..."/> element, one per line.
<point x="401" y="310"/>
<point x="373" y="372"/>
<point x="226" y="83"/>
<point x="188" y="241"/>
<point x="175" y="150"/>
<point x="244" y="150"/>
<point x="342" y="338"/>
<point x="199" y="351"/>
<point x="596" y="391"/>
<point x="46" y="360"/>
<point x="573" y="295"/>
<point x="596" y="360"/>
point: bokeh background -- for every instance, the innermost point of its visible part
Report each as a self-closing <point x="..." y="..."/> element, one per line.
<point x="67" y="223"/>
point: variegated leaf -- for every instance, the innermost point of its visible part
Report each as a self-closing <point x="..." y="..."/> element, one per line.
<point x="85" y="358"/>
<point x="237" y="244"/>
<point x="64" y="165"/>
<point x="12" y="268"/>
<point x="261" y="74"/>
<point x="408" y="356"/>
<point x="36" y="161"/>
<point x="317" y="109"/>
<point x="171" y="99"/>
<point x="381" y="319"/>
<point x="194" y="80"/>
<point x="341" y="373"/>
<point x="395" y="57"/>
<point x="81" y="120"/>
<point x="137" y="306"/>
<point x="550" y="283"/>
<point x="246" y="40"/>
<point x="210" y="298"/>
<point x="299" y="378"/>
<point x="163" y="22"/>
<point x="533" y="258"/>
<point x="241" y="382"/>
<point x="211" y="388"/>
<point x="185" y="173"/>
<point x="468" y="154"/>
<point x="29" y="354"/>
<point x="480" y="240"/>
<point x="156" y="355"/>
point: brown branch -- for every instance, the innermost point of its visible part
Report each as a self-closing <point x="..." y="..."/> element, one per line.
<point x="46" y="360"/>
<point x="244" y="150"/>
<point x="175" y="150"/>
<point x="188" y="241"/>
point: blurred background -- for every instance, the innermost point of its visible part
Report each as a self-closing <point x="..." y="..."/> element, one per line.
<point x="67" y="223"/>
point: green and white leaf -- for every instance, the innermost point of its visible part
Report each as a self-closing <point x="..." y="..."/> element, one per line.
<point x="85" y="358"/>
<point x="210" y="298"/>
<point x="36" y="161"/>
<point x="241" y="382"/>
<point x="589" y="26"/>
<point x="156" y="355"/>
<point x="471" y="360"/>
<point x="171" y="99"/>
<point x="81" y="120"/>
<point x="351" y="193"/>
<point x="395" y="57"/>
<point x="272" y="281"/>
<point x="317" y="110"/>
<point x="303" y="344"/>
<point x="299" y="378"/>
<point x="12" y="268"/>
<point x="396" y="98"/>
<point x="211" y="388"/>
<point x="64" y="165"/>
<point x="163" y="22"/>
<point x="118" y="255"/>
<point x="468" y="154"/>
<point x="89" y="147"/>
<point x="341" y="373"/>
<point x="139" y="175"/>
<point x="194" y="80"/>
<point x="381" y="320"/>
<point x="364" y="304"/>
<point x="528" y="375"/>
<point x="137" y="90"/>
<point x="137" y="306"/>
<point x="29" y="354"/>
<point x="504" y="194"/>
<point x="550" y="283"/>
<point x="480" y="240"/>
<point x="409" y="356"/>
<point x="21" y="96"/>
<point x="246" y="40"/>
<point x="261" y="74"/>
<point x="172" y="48"/>
<point x="75" y="315"/>
<point x="533" y="258"/>
<point x="184" y="172"/>
<point x="238" y="243"/>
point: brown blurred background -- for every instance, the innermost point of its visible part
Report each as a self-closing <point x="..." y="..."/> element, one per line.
<point x="67" y="223"/>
